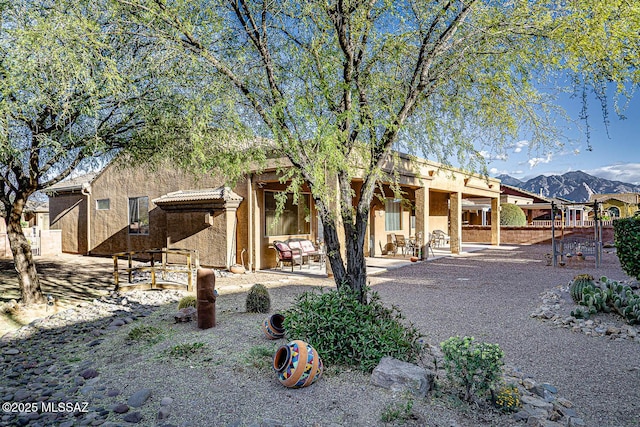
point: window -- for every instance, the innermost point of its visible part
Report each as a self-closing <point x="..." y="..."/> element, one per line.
<point x="139" y="215"/>
<point x="393" y="214"/>
<point x="103" y="204"/>
<point x="294" y="219"/>
<point x="614" y="212"/>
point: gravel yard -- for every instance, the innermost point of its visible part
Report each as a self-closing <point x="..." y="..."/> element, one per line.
<point x="488" y="294"/>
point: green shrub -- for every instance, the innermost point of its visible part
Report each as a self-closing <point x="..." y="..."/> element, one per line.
<point x="626" y="235"/>
<point x="188" y="301"/>
<point x="347" y="332"/>
<point x="258" y="300"/>
<point x="146" y="333"/>
<point x="512" y="215"/>
<point x="476" y="366"/>
<point x="508" y="398"/>
<point x="184" y="351"/>
<point x="398" y="413"/>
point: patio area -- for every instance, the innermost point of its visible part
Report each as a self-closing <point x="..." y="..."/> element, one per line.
<point x="381" y="264"/>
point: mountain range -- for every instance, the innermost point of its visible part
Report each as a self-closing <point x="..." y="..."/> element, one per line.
<point x="576" y="186"/>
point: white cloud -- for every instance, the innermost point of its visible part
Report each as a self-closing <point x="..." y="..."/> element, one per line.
<point x="494" y="171"/>
<point x="538" y="160"/>
<point x="625" y="172"/>
<point x="518" y="146"/>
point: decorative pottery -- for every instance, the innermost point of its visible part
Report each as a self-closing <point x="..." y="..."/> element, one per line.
<point x="414" y="259"/>
<point x="237" y="269"/>
<point x="272" y="326"/>
<point x="297" y="364"/>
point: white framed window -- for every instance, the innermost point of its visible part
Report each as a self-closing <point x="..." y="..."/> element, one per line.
<point x="139" y="215"/>
<point x="392" y="214"/>
<point x="103" y="204"/>
<point x="294" y="218"/>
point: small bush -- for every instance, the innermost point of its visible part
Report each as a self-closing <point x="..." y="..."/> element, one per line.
<point x="258" y="300"/>
<point x="512" y="215"/>
<point x="347" y="332"/>
<point x="188" y="301"/>
<point x="184" y="351"/>
<point x="476" y="366"/>
<point x="508" y="399"/>
<point x="398" y="412"/>
<point x="146" y="333"/>
<point x="626" y="234"/>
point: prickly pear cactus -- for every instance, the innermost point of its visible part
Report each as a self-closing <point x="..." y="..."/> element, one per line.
<point x="578" y="285"/>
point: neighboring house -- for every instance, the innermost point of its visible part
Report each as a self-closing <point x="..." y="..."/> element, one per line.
<point x="125" y="209"/>
<point x="537" y="208"/>
<point x="617" y="205"/>
<point x="35" y="226"/>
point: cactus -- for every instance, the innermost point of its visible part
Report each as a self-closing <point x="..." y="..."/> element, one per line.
<point x="579" y="284"/>
<point x="188" y="301"/>
<point x="609" y="295"/>
<point x="258" y="300"/>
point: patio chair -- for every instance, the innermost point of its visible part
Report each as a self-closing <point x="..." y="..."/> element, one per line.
<point x="399" y="242"/>
<point x="287" y="255"/>
<point x="442" y="238"/>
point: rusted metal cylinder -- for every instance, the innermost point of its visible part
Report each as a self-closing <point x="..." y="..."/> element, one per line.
<point x="206" y="295"/>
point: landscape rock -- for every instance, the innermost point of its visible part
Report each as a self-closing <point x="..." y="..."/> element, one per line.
<point x="139" y="398"/>
<point x="187" y="314"/>
<point x="133" y="417"/>
<point x="397" y="375"/>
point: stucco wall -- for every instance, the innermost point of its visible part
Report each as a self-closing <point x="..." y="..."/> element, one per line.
<point x="68" y="213"/>
<point x="439" y="211"/>
<point x="110" y="228"/>
<point x="528" y="235"/>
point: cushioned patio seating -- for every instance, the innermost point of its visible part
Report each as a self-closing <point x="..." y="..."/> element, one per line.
<point x="287" y="255"/>
<point x="306" y="247"/>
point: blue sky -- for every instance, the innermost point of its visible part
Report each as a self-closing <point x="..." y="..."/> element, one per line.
<point x="615" y="156"/>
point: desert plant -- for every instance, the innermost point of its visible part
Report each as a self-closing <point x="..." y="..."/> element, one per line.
<point x="146" y="333"/>
<point x="188" y="301"/>
<point x="610" y="295"/>
<point x="507" y="398"/>
<point x="347" y="332"/>
<point x="512" y="215"/>
<point x="626" y="234"/>
<point x="398" y="412"/>
<point x="258" y="300"/>
<point x="578" y="284"/>
<point x="184" y="351"/>
<point x="476" y="366"/>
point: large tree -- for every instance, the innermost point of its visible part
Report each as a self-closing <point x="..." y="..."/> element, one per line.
<point x="72" y="90"/>
<point x="335" y="85"/>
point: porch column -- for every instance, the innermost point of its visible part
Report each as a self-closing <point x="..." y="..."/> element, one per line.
<point x="422" y="218"/>
<point x="455" y="232"/>
<point x="495" y="221"/>
<point x="230" y="223"/>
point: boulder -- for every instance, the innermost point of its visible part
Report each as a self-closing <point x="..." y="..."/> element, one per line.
<point x="187" y="314"/>
<point x="396" y="375"/>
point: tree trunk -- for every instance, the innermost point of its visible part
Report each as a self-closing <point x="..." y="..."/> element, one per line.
<point x="23" y="258"/>
<point x="354" y="276"/>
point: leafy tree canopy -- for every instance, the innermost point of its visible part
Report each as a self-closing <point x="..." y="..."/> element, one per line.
<point x="335" y="85"/>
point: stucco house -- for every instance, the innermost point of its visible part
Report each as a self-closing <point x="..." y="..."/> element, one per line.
<point x="617" y="205"/>
<point x="124" y="209"/>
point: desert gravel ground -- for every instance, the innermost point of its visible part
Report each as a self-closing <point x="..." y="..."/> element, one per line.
<point x="488" y="294"/>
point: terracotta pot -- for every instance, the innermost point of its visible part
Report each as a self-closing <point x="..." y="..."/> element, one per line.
<point x="297" y="364"/>
<point x="414" y="259"/>
<point x="237" y="269"/>
<point x="272" y="326"/>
